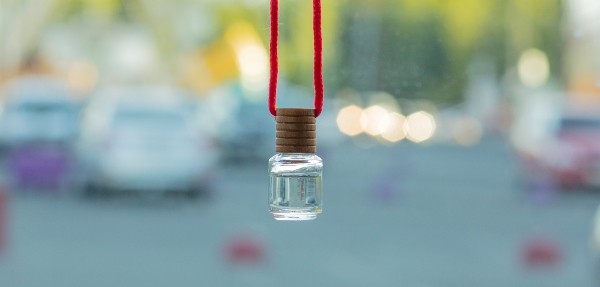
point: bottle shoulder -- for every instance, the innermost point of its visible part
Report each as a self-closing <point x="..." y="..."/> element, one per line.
<point x="296" y="164"/>
<point x="296" y="157"/>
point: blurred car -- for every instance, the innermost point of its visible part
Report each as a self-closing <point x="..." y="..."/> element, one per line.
<point x="38" y="114"/>
<point x="38" y="125"/>
<point x="571" y="156"/>
<point x="252" y="135"/>
<point x="243" y="125"/>
<point x="148" y="146"/>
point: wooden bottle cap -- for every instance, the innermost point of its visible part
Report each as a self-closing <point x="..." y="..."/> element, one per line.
<point x="296" y="131"/>
<point x="296" y="127"/>
<point x="298" y="142"/>
<point x="296" y="120"/>
<point x="296" y="135"/>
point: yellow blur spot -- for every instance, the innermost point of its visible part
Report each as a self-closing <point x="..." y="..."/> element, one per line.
<point x="421" y="126"/>
<point x="211" y="66"/>
<point x="348" y="120"/>
<point x="467" y="131"/>
<point x="534" y="68"/>
<point x="372" y="119"/>
<point x="394" y="127"/>
<point x="107" y="8"/>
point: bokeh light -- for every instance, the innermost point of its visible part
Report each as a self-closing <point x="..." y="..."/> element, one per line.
<point x="371" y="120"/>
<point x="252" y="59"/>
<point x="534" y="68"/>
<point x="132" y="56"/>
<point x="394" y="127"/>
<point x="348" y="120"/>
<point x="421" y="126"/>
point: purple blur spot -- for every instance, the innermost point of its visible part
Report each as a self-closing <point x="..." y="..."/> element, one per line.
<point x="383" y="190"/>
<point x="542" y="190"/>
<point x="41" y="166"/>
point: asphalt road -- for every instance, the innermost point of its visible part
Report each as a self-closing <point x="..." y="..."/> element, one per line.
<point x="406" y="215"/>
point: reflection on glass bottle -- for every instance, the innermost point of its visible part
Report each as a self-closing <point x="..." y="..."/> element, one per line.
<point x="295" y="186"/>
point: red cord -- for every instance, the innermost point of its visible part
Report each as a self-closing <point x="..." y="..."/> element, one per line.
<point x="318" y="66"/>
<point x="318" y="63"/>
<point x="273" y="58"/>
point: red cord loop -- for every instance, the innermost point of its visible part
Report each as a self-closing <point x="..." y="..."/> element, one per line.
<point x="318" y="61"/>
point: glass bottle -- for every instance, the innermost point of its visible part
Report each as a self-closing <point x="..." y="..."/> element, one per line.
<point x="295" y="191"/>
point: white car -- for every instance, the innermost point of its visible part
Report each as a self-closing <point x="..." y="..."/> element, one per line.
<point x="147" y="146"/>
<point x="37" y="109"/>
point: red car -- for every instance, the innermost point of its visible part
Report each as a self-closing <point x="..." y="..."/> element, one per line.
<point x="571" y="157"/>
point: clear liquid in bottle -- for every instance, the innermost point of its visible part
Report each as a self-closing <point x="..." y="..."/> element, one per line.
<point x="295" y="188"/>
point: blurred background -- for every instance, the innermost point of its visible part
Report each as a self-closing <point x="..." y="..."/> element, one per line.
<point x="461" y="143"/>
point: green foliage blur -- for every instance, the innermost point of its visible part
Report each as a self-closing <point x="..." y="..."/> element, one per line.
<point x="422" y="49"/>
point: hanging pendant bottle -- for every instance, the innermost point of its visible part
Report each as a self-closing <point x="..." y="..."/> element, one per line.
<point x="295" y="185"/>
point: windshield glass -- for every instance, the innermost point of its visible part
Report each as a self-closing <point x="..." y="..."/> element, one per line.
<point x="457" y="144"/>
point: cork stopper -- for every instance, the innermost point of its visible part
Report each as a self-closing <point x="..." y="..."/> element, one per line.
<point x="296" y="131"/>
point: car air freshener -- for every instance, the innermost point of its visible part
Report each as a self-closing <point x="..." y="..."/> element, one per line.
<point x="295" y="172"/>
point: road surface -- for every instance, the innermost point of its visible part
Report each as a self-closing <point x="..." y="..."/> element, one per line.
<point x="407" y="215"/>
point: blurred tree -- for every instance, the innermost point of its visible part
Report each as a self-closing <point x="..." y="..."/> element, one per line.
<point x="421" y="49"/>
<point x="398" y="50"/>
